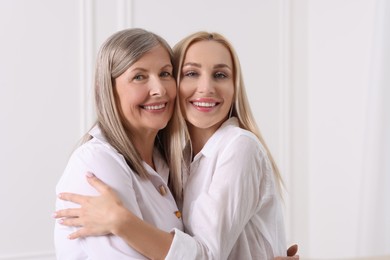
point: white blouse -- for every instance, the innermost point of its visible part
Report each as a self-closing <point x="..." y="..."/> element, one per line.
<point x="231" y="208"/>
<point x="149" y="199"/>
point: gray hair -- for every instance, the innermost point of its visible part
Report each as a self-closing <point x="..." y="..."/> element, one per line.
<point x="115" y="56"/>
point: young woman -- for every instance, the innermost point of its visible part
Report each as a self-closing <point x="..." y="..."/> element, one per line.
<point x="231" y="200"/>
<point x="135" y="97"/>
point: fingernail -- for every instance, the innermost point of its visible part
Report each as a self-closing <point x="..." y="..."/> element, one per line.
<point x="54" y="215"/>
<point x="59" y="195"/>
<point x="90" y="174"/>
<point x="60" y="221"/>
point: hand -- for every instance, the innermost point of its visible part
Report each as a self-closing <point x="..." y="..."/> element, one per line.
<point x="97" y="215"/>
<point x="291" y="253"/>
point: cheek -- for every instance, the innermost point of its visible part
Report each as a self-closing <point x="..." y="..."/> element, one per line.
<point x="185" y="91"/>
<point x="182" y="101"/>
<point x="130" y="100"/>
<point x="172" y="90"/>
<point x="230" y="93"/>
<point x="183" y="95"/>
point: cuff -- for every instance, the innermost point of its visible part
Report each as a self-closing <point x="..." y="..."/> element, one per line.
<point x="183" y="246"/>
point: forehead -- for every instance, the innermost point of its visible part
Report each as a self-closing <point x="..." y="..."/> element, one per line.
<point x="208" y="51"/>
<point x="157" y="55"/>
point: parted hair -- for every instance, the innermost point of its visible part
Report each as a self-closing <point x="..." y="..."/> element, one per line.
<point x="116" y="55"/>
<point x="240" y="108"/>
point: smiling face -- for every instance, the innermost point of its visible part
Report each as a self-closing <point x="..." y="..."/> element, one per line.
<point x="146" y="92"/>
<point x="206" y="86"/>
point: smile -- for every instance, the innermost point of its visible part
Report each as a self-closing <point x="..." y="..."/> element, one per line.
<point x="154" y="107"/>
<point x="204" y="104"/>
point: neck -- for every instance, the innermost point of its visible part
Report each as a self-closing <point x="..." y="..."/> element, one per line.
<point x="199" y="138"/>
<point x="144" y="144"/>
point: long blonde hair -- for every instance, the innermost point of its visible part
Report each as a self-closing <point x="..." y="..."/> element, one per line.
<point x="116" y="55"/>
<point x="240" y="108"/>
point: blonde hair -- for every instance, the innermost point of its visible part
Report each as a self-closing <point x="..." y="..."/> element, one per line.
<point x="116" y="55"/>
<point x="240" y="108"/>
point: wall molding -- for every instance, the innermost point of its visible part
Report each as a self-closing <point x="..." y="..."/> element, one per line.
<point x="89" y="34"/>
<point x="87" y="52"/>
<point x="124" y="14"/>
<point x="299" y="121"/>
<point x="44" y="255"/>
<point x="285" y="98"/>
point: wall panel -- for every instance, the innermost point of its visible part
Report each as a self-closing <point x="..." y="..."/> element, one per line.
<point x="46" y="71"/>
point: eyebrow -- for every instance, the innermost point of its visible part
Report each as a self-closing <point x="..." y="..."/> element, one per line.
<point x="167" y="66"/>
<point x="144" y="69"/>
<point x="216" y="66"/>
<point x="194" y="64"/>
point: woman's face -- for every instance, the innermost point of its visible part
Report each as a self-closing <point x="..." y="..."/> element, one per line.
<point x="207" y="86"/>
<point x="146" y="92"/>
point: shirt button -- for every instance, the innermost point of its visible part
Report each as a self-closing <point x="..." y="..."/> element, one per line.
<point x="178" y="213"/>
<point x="162" y="190"/>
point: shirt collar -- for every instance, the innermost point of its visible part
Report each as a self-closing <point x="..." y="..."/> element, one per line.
<point x="161" y="166"/>
<point x="210" y="146"/>
<point x="97" y="133"/>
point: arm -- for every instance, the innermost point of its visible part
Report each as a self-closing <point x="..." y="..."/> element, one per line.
<point x="100" y="215"/>
<point x="120" y="221"/>
<point x="231" y="188"/>
<point x="229" y="202"/>
<point x="73" y="180"/>
<point x="129" y="227"/>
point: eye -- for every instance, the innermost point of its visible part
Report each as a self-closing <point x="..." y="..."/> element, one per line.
<point x="165" y="74"/>
<point x="190" y="74"/>
<point x="220" y="75"/>
<point x="139" y="77"/>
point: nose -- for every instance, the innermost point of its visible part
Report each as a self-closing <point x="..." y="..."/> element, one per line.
<point x="206" y="84"/>
<point x="157" y="87"/>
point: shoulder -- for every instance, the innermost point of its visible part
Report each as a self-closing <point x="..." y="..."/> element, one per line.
<point x="96" y="152"/>
<point x="241" y="140"/>
<point x="242" y="146"/>
<point x="97" y="157"/>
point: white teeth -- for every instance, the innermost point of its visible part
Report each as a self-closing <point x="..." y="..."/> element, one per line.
<point x="154" y="107"/>
<point x="204" y="104"/>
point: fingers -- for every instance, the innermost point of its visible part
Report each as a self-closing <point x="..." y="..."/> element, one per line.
<point x="71" y="222"/>
<point x="85" y="232"/>
<point x="292" y="250"/>
<point x="95" y="182"/>
<point x="76" y="198"/>
<point x="67" y="213"/>
<point x="80" y="199"/>
<point x="78" y="234"/>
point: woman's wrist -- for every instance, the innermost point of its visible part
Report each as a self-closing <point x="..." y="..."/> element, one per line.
<point x="121" y="219"/>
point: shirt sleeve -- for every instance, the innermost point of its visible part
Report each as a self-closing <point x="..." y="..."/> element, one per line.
<point x="110" y="168"/>
<point x="236" y="192"/>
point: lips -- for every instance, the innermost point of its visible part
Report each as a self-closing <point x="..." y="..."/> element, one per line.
<point x="204" y="104"/>
<point x="154" y="106"/>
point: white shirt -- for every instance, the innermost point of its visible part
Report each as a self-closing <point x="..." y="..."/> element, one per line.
<point x="141" y="196"/>
<point x="231" y="207"/>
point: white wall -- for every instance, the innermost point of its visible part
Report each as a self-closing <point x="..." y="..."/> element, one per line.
<point x="339" y="65"/>
<point x="305" y="66"/>
<point x="39" y="114"/>
<point x="335" y="43"/>
<point x="46" y="51"/>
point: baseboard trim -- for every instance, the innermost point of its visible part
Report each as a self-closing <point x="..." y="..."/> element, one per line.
<point x="44" y="255"/>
